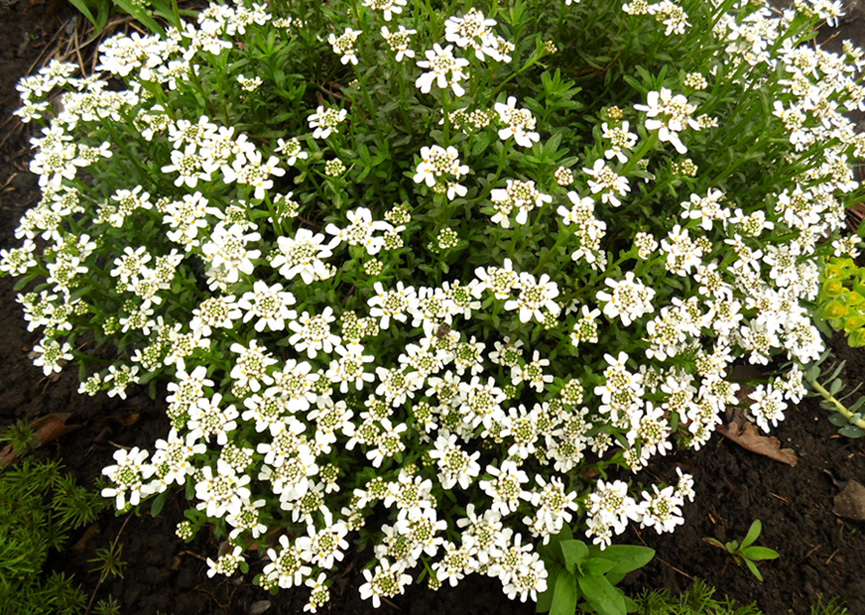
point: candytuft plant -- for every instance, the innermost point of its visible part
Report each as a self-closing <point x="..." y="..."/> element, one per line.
<point x="469" y="264"/>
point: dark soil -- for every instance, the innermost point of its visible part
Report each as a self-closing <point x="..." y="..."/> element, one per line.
<point x="821" y="555"/>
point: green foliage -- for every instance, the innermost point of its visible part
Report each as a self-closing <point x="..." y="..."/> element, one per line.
<point x="841" y="301"/>
<point x="107" y="607"/>
<point x="848" y="418"/>
<point x="20" y="437"/>
<point x="98" y="12"/>
<point x="39" y="506"/>
<point x="834" y="607"/>
<point x="580" y="572"/>
<point x="745" y="552"/>
<point x="109" y="561"/>
<point x="700" y="600"/>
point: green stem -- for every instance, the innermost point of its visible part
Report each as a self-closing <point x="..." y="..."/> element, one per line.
<point x="842" y="409"/>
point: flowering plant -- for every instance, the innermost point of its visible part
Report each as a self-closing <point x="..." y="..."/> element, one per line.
<point x="466" y="268"/>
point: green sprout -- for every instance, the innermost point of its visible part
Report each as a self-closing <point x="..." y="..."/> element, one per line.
<point x="745" y="552"/>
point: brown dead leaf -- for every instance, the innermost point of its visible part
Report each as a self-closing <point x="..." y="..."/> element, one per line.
<point x="126" y="421"/>
<point x="89" y="534"/>
<point x="747" y="435"/>
<point x="48" y="428"/>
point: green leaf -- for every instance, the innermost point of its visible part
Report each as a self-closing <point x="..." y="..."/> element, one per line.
<point x="839" y="420"/>
<point x="158" y="503"/>
<point x="84" y="9"/>
<point x="565" y="595"/>
<point x="753" y="568"/>
<point x="753" y="534"/>
<point x="602" y="596"/>
<point x="574" y="551"/>
<point x="760" y="553"/>
<point x="851" y="431"/>
<point x="597" y="566"/>
<point x="138" y="13"/>
<point x="628" y="557"/>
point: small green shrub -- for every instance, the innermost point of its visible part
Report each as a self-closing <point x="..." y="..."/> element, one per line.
<point x="841" y="300"/>
<point x="39" y="506"/>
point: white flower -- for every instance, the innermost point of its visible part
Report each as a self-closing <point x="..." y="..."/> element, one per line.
<point x="768" y="406"/>
<point x="661" y="509"/>
<point x="326" y="121"/>
<point x="399" y="42"/>
<point x="269" y="304"/>
<point x="292" y="150"/>
<point x="535" y="295"/>
<point x="389" y="8"/>
<point x="207" y="419"/>
<point x="612" y="506"/>
<point x="128" y="476"/>
<point x="343" y="45"/>
<point x="302" y="255"/>
<point x="445" y="70"/>
<point x="669" y="115"/>
<point x="312" y="333"/>
<point x="519" y="123"/>
<point x="505" y="487"/>
<point x="607" y="182"/>
<point x="438" y="167"/>
<point x="454" y="464"/>
<point x="629" y="299"/>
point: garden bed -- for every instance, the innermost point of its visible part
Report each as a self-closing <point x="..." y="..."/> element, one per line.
<point x="821" y="555"/>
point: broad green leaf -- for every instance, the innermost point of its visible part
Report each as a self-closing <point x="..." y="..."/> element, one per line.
<point x="574" y="551"/>
<point x="565" y="595"/>
<point x="628" y="557"/>
<point x="753" y="533"/>
<point x="851" y="431"/>
<point x="604" y="598"/>
<point x="596" y="566"/>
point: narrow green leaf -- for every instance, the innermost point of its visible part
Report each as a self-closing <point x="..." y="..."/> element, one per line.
<point x="753" y="533"/>
<point x="82" y="7"/>
<point x="158" y="503"/>
<point x="753" y="568"/>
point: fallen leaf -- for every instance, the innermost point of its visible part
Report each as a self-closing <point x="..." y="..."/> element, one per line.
<point x="91" y="531"/>
<point x="48" y="428"/>
<point x="259" y="607"/>
<point x="126" y="421"/>
<point x="748" y="436"/>
<point x="850" y="503"/>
